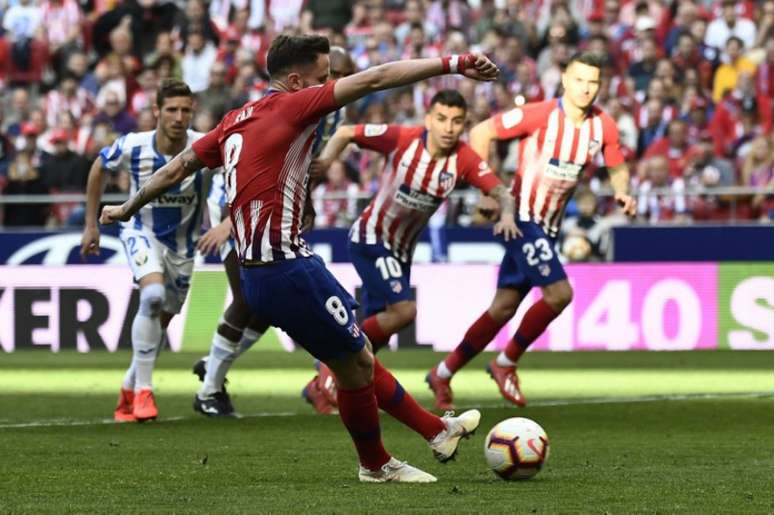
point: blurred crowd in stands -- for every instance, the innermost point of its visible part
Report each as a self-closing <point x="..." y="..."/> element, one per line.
<point x="690" y="83"/>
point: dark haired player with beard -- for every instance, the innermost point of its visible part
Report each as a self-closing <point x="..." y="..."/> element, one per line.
<point x="265" y="148"/>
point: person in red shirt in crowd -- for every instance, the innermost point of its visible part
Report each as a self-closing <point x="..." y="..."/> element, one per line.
<point x="658" y="207"/>
<point x="764" y="75"/>
<point x="686" y="56"/>
<point x="674" y="146"/>
<point x="697" y="118"/>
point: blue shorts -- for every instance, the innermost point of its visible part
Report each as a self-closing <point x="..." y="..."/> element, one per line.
<point x="386" y="279"/>
<point x="530" y="260"/>
<point x="301" y="297"/>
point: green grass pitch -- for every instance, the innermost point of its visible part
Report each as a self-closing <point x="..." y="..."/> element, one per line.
<point x="630" y="433"/>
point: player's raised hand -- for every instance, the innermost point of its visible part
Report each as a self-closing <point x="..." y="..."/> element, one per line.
<point x="478" y="67"/>
<point x="112" y="214"/>
<point x="627" y="202"/>
<point x="507" y="227"/>
<point x="211" y="240"/>
<point x="90" y="242"/>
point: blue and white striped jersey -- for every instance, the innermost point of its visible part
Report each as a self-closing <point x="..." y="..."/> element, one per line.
<point x="174" y="218"/>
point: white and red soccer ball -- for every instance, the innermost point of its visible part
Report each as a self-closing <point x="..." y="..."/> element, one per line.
<point x="516" y="448"/>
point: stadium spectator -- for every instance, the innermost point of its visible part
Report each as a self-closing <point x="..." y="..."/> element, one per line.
<point x="667" y="203"/>
<point x="113" y="111"/>
<point x="728" y="25"/>
<point x="727" y="74"/>
<point x="69" y="97"/>
<point x="24" y="179"/>
<point x="199" y="57"/>
<point x="217" y="98"/>
<point x="758" y="172"/>
<point x="64" y="171"/>
<point x="327" y="14"/>
<point x="674" y="146"/>
<point x="704" y="172"/>
<point x="341" y="210"/>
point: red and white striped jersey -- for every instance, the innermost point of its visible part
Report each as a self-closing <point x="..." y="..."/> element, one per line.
<point x="265" y="148"/>
<point x="553" y="155"/>
<point x="413" y="185"/>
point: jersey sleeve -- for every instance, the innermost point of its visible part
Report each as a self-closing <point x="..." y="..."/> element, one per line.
<point x="520" y="121"/>
<point x="379" y="137"/>
<point x="611" y="144"/>
<point x="476" y="171"/>
<point x="113" y="155"/>
<point x="207" y="148"/>
<point x="310" y="104"/>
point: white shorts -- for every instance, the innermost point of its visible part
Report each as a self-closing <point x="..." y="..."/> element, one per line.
<point x="147" y="255"/>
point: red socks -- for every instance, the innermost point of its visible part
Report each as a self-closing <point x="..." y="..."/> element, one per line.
<point x="535" y="321"/>
<point x="375" y="333"/>
<point x="478" y="336"/>
<point x="360" y="414"/>
<point x="393" y="399"/>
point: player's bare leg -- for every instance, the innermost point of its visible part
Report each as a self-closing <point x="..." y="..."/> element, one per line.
<point x="147" y="333"/>
<point x="237" y="331"/>
<point x="556" y="296"/>
<point x="378" y="328"/>
<point x="477" y="337"/>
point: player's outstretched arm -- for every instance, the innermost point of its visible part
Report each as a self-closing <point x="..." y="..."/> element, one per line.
<point x="333" y="149"/>
<point x="401" y="73"/>
<point x="95" y="185"/>
<point x="507" y="223"/>
<point x="183" y="165"/>
<point x="481" y="136"/>
<point x="619" y="179"/>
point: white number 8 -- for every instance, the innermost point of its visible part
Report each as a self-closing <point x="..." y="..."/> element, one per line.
<point x="336" y="308"/>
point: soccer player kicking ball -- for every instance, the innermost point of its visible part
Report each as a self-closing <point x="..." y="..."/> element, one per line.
<point x="559" y="138"/>
<point x="265" y="148"/>
<point x="423" y="166"/>
<point x="159" y="239"/>
<point x="238" y="330"/>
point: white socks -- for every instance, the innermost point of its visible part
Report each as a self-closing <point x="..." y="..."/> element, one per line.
<point x="249" y="337"/>
<point x="146" y="335"/>
<point x="443" y="371"/>
<point x="503" y="361"/>
<point x="222" y="354"/>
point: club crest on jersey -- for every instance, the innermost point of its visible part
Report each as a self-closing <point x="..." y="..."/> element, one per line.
<point x="446" y="180"/>
<point x="544" y="270"/>
<point x="372" y="129"/>
<point x="396" y="286"/>
<point x="354" y="330"/>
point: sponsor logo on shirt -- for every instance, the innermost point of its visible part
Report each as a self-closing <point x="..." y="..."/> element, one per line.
<point x="168" y="200"/>
<point x="371" y="130"/>
<point x="512" y="118"/>
<point x="413" y="199"/>
<point x="562" y="170"/>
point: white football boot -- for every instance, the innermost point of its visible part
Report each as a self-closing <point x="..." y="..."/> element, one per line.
<point x="445" y="443"/>
<point x="397" y="472"/>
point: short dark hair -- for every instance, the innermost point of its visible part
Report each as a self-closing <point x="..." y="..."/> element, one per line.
<point x="450" y="98"/>
<point x="288" y="51"/>
<point x="735" y="39"/>
<point x="172" y="88"/>
<point x="587" y="58"/>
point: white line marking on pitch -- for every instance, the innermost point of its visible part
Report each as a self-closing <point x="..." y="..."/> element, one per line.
<point x="533" y="404"/>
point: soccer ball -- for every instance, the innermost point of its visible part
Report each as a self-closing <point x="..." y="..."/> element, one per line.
<point x="516" y="448"/>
